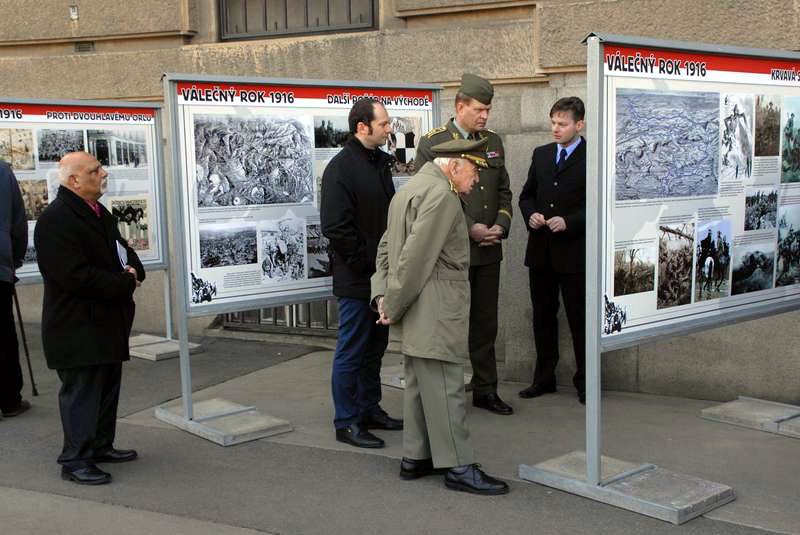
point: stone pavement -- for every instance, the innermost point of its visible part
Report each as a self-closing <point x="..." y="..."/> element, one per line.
<point x="305" y="482"/>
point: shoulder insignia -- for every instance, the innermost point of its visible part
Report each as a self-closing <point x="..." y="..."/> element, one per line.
<point x="435" y="131"/>
<point x="455" y="135"/>
<point x="490" y="130"/>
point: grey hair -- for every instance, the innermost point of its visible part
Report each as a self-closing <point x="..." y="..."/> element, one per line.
<point x="442" y="161"/>
<point x="63" y="173"/>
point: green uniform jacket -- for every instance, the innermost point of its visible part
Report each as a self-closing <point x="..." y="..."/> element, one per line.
<point x="490" y="200"/>
<point x="423" y="269"/>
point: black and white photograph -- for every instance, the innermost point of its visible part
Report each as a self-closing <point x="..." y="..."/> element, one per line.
<point x="35" y="197"/>
<point x="318" y="252"/>
<point x="330" y="131"/>
<point x="713" y="260"/>
<point x="225" y="244"/>
<point x="675" y="255"/>
<point x="634" y="270"/>
<point x="30" y="253"/>
<point x="16" y="148"/>
<point x="132" y="219"/>
<point x="119" y="147"/>
<point x="753" y="266"/>
<point x="788" y="268"/>
<point x="253" y="160"/>
<point x="402" y="144"/>
<point x="202" y="291"/>
<point x="768" y="125"/>
<point x="790" y="153"/>
<point x="667" y="144"/>
<point x="283" y="250"/>
<point x="53" y="144"/>
<point x="760" y="208"/>
<point x="736" y="148"/>
<point x="614" y="317"/>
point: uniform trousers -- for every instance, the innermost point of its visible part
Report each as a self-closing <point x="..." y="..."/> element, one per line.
<point x="10" y="370"/>
<point x="434" y="413"/>
<point x="545" y="284"/>
<point x="484" y="284"/>
<point x="88" y="403"/>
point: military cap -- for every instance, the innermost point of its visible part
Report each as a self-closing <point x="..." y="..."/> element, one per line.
<point x="472" y="150"/>
<point x="477" y="88"/>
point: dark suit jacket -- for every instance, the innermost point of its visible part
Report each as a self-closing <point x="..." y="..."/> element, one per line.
<point x="552" y="194"/>
<point x="88" y="298"/>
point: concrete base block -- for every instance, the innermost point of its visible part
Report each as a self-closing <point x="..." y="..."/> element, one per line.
<point x="758" y="414"/>
<point x="393" y="376"/>
<point x="149" y="347"/>
<point x="223" y="422"/>
<point x="644" y="489"/>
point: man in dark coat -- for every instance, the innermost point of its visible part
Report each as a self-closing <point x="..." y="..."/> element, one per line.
<point x="553" y="206"/>
<point x="90" y="274"/>
<point x="13" y="242"/>
<point x="356" y="190"/>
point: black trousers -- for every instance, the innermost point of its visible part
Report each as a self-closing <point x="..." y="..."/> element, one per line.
<point x="88" y="403"/>
<point x="10" y="371"/>
<point x="484" y="283"/>
<point x="544" y="286"/>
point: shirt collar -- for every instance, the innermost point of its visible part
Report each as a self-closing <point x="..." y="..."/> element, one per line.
<point x="461" y="131"/>
<point x="570" y="148"/>
<point x="95" y="206"/>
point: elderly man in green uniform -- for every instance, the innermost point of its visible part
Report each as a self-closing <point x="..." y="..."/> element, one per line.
<point x="488" y="213"/>
<point x="421" y="289"/>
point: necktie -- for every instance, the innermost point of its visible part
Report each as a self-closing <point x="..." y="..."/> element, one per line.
<point x="562" y="160"/>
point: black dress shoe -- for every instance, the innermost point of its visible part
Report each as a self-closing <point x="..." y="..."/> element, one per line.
<point x="16" y="411"/>
<point x="492" y="403"/>
<point x="414" y="469"/>
<point x="471" y="478"/>
<point x="90" y="475"/>
<point x="113" y="455"/>
<point x="536" y="390"/>
<point x="381" y="420"/>
<point x="358" y="437"/>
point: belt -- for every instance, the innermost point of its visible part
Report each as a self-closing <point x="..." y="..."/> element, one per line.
<point x="450" y="275"/>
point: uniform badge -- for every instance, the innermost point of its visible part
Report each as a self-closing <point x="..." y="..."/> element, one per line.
<point x="492" y="154"/>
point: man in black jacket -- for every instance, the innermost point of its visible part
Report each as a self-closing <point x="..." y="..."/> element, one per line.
<point x="90" y="274"/>
<point x="356" y="190"/>
<point x="553" y="206"/>
<point x="13" y="242"/>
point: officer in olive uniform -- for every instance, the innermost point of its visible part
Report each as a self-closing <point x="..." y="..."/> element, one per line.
<point x="420" y="288"/>
<point x="488" y="213"/>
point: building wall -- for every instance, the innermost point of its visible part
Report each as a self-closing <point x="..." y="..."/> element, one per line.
<point x="529" y="49"/>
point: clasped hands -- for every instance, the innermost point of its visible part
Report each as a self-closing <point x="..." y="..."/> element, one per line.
<point x="382" y="319"/>
<point x="486" y="236"/>
<point x="555" y="223"/>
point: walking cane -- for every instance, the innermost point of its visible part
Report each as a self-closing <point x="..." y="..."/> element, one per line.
<point x="25" y="344"/>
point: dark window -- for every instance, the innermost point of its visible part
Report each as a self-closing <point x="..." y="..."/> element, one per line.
<point x="248" y="19"/>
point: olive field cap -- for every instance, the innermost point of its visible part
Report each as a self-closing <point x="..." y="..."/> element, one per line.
<point x="476" y="87"/>
<point x="472" y="150"/>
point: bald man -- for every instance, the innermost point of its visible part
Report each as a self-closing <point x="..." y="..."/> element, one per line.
<point x="90" y="274"/>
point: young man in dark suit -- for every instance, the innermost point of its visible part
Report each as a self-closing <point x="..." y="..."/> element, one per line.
<point x="553" y="206"/>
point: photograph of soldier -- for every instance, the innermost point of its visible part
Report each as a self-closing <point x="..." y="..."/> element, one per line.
<point x="788" y="268"/>
<point x="736" y="137"/>
<point x="34" y="194"/>
<point x="760" y="208"/>
<point x="223" y="245"/>
<point x="16" y="148"/>
<point x="253" y="160"/>
<point x="768" y="119"/>
<point x="790" y="153"/>
<point x="118" y="147"/>
<point x="317" y="250"/>
<point x="53" y="144"/>
<point x="283" y="250"/>
<point x="634" y="270"/>
<point x="753" y="266"/>
<point x="132" y="217"/>
<point x="712" y="266"/>
<point x="30" y="254"/>
<point x="202" y="291"/>
<point x="402" y="144"/>
<point x="330" y="131"/>
<point x="614" y="316"/>
<point x="675" y="254"/>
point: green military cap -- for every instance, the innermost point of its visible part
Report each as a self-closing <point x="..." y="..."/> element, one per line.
<point x="476" y="87"/>
<point x="468" y="149"/>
